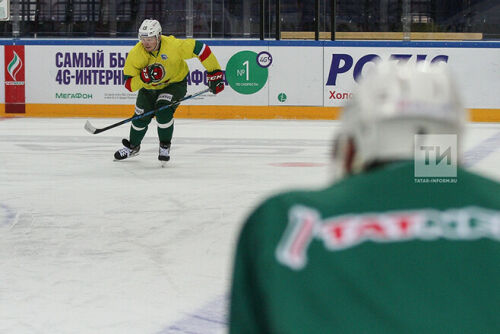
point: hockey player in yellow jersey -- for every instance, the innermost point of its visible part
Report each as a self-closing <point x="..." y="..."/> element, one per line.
<point x="156" y="67"/>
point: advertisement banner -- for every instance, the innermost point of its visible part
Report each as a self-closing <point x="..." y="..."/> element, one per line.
<point x="77" y="75"/>
<point x="296" y="77"/>
<point x="475" y="69"/>
<point x="14" y="79"/>
<point x="246" y="75"/>
<point x="94" y="75"/>
<point x="2" y="74"/>
<point x="263" y="79"/>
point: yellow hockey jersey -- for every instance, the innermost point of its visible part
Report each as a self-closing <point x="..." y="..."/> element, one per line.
<point x="171" y="56"/>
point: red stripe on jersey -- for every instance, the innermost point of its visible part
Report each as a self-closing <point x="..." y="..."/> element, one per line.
<point x="128" y="84"/>
<point x="205" y="53"/>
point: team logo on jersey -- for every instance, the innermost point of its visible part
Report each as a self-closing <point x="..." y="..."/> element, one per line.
<point x="163" y="56"/>
<point x="344" y="232"/>
<point x="157" y="72"/>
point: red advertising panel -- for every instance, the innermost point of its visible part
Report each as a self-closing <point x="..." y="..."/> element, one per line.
<point x="15" y="97"/>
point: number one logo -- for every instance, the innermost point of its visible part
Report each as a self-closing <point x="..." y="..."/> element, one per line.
<point x="247" y="69"/>
<point x="238" y="73"/>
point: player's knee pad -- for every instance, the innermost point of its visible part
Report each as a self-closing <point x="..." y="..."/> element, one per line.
<point x="165" y="125"/>
<point x="165" y="116"/>
<point x="141" y="124"/>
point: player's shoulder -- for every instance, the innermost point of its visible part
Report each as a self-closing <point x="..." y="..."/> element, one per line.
<point x="279" y="204"/>
<point x="477" y="178"/>
<point x="479" y="186"/>
<point x="137" y="50"/>
<point x="271" y="216"/>
<point x="171" y="44"/>
<point x="168" y="40"/>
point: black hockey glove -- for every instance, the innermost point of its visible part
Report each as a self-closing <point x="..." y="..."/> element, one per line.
<point x="215" y="82"/>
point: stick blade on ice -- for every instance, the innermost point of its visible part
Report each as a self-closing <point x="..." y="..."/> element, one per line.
<point x="90" y="128"/>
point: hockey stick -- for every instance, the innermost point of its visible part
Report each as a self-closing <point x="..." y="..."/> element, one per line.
<point x="93" y="130"/>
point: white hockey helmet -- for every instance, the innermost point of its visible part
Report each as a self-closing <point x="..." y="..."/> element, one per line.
<point x="392" y="103"/>
<point x="150" y="28"/>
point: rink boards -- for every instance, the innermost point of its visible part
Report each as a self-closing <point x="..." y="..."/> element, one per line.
<point x="265" y="79"/>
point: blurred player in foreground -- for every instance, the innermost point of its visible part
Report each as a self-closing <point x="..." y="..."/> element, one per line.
<point x="382" y="250"/>
<point x="156" y="67"/>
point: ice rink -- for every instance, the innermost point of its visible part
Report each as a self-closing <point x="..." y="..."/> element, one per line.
<point x="90" y="245"/>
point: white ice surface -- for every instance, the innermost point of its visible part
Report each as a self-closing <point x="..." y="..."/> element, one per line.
<point x="89" y="245"/>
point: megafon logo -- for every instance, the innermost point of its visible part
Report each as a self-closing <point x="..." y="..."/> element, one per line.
<point x="14" y="65"/>
<point x="343" y="63"/>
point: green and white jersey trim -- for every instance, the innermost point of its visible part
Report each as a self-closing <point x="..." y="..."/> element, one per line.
<point x="343" y="232"/>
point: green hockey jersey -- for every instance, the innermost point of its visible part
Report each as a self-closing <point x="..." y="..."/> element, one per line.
<point x="374" y="253"/>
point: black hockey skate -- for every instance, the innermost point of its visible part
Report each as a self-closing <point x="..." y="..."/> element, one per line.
<point x="127" y="151"/>
<point x="164" y="152"/>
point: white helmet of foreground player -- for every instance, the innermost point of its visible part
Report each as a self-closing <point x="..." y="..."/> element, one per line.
<point x="148" y="30"/>
<point x="392" y="104"/>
